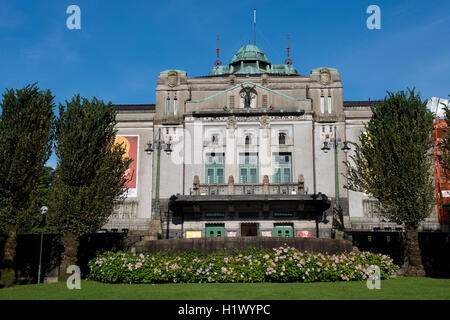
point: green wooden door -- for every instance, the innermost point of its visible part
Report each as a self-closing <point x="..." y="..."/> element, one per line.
<point x="215" y="231"/>
<point x="283" y="230"/>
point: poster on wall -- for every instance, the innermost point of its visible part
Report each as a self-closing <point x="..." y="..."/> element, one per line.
<point x="193" y="234"/>
<point x="131" y="152"/>
<point x="304" y="234"/>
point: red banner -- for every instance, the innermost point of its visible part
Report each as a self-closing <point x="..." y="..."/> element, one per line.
<point x="130" y="143"/>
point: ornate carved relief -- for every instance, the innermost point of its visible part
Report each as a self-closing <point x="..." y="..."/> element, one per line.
<point x="264" y="122"/>
<point x="231" y="122"/>
<point x="125" y="211"/>
<point x="265" y="79"/>
<point x="325" y="76"/>
<point x="232" y="79"/>
<point x="172" y="79"/>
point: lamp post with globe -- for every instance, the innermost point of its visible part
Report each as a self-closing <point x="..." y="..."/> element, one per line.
<point x="338" y="223"/>
<point x="149" y="150"/>
<point x="43" y="211"/>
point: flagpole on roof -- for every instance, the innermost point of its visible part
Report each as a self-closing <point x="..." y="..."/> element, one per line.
<point x="254" y="27"/>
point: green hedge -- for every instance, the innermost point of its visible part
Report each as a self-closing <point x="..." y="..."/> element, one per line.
<point x="282" y="264"/>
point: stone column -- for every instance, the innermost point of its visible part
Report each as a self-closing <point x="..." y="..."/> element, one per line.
<point x="230" y="185"/>
<point x="265" y="156"/>
<point x="230" y="151"/>
<point x="266" y="184"/>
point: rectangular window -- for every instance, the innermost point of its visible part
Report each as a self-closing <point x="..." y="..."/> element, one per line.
<point x="283" y="215"/>
<point x="253" y="175"/>
<point x="210" y="174"/>
<point x="215" y="215"/>
<point x="322" y="104"/>
<point x="243" y="175"/>
<point x="329" y="104"/>
<point x="215" y="168"/>
<point x="282" y="167"/>
<point x="264" y="101"/>
<point x="248" y="168"/>
<point x="168" y="106"/>
<point x="220" y="174"/>
<point x="175" y="107"/>
<point x="231" y="102"/>
<point x="287" y="174"/>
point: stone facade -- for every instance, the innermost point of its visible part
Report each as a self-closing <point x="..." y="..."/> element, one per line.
<point x="220" y="136"/>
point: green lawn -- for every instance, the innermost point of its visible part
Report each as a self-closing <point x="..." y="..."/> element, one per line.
<point x="401" y="288"/>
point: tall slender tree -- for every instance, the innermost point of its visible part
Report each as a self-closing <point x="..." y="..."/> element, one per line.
<point x="393" y="162"/>
<point x="26" y="138"/>
<point x="89" y="178"/>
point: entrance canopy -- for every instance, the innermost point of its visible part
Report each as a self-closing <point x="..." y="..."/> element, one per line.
<point x="303" y="207"/>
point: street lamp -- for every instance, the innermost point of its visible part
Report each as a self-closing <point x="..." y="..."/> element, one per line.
<point x="43" y="211"/>
<point x="338" y="222"/>
<point x="149" y="150"/>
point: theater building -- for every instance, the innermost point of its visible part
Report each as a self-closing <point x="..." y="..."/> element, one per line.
<point x="242" y="154"/>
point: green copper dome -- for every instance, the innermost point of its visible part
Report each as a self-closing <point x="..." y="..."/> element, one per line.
<point x="251" y="60"/>
<point x="249" y="52"/>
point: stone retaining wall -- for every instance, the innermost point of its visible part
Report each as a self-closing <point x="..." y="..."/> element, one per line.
<point x="212" y="245"/>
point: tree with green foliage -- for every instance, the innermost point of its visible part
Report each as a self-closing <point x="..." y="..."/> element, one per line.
<point x="393" y="162"/>
<point x="45" y="183"/>
<point x="444" y="145"/>
<point x="89" y="178"/>
<point x="26" y="140"/>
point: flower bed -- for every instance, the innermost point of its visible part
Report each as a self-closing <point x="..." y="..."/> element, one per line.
<point x="282" y="264"/>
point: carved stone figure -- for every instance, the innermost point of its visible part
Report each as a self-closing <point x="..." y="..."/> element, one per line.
<point x="247" y="94"/>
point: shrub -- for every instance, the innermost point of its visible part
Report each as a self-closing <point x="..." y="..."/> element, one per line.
<point x="282" y="264"/>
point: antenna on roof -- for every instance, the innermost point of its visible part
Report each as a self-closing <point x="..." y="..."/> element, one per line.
<point x="217" y="62"/>
<point x="254" y="27"/>
<point x="288" y="61"/>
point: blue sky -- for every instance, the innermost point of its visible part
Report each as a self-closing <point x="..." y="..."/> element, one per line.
<point x="123" y="45"/>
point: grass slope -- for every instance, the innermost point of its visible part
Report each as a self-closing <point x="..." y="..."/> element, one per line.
<point x="401" y="288"/>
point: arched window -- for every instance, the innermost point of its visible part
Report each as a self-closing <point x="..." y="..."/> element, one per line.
<point x="282" y="138"/>
<point x="248" y="140"/>
<point x="214" y="139"/>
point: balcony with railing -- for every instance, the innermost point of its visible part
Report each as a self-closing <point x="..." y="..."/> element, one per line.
<point x="264" y="188"/>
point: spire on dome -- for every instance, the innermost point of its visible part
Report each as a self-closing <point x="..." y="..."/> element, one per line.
<point x="217" y="62"/>
<point x="288" y="60"/>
